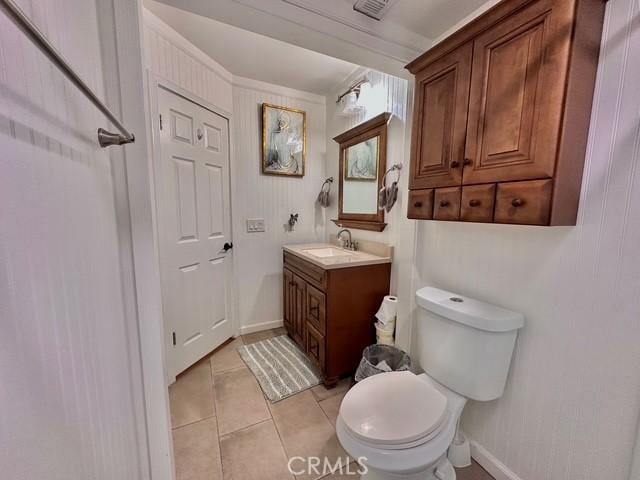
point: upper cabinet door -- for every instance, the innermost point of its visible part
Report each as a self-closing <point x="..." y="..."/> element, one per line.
<point x="517" y="85"/>
<point x="440" y="123"/>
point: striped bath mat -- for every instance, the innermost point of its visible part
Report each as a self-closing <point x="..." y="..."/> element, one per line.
<point x="281" y="368"/>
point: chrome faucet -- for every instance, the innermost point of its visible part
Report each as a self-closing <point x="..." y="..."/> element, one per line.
<point x="348" y="244"/>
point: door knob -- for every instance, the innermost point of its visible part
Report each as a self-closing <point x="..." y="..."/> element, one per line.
<point x="227" y="246"/>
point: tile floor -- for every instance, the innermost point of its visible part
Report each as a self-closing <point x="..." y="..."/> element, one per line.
<point x="225" y="429"/>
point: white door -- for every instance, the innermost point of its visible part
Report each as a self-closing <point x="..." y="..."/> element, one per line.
<point x="194" y="229"/>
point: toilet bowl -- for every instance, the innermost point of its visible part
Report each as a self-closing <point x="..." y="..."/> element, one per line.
<point x="400" y="425"/>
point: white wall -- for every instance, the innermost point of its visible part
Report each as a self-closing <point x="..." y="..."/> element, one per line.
<point x="258" y="256"/>
<point x="390" y="94"/>
<point x="171" y="57"/>
<point x="70" y="389"/>
<point x="571" y="406"/>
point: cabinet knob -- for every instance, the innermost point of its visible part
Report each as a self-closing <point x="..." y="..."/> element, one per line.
<point x="444" y="203"/>
<point x="455" y="164"/>
<point x="517" y="202"/>
<point x="467" y="161"/>
<point x="474" y="202"/>
<point x="417" y="204"/>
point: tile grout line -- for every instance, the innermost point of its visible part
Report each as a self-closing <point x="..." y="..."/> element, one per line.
<point x="193" y="423"/>
<point x="246" y="428"/>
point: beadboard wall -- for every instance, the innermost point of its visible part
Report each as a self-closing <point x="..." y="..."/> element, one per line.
<point x="258" y="256"/>
<point x="67" y="407"/>
<point x="390" y="94"/>
<point x="570" y="411"/>
<point x="172" y="57"/>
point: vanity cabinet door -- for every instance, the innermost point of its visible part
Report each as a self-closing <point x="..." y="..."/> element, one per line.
<point x="288" y="287"/>
<point x="315" y="347"/>
<point x="316" y="309"/>
<point x="299" y="293"/>
<point x="440" y="123"/>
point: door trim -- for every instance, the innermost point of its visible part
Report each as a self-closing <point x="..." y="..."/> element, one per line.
<point x="154" y="83"/>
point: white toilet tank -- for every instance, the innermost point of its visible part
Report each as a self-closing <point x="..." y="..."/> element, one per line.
<point x="466" y="344"/>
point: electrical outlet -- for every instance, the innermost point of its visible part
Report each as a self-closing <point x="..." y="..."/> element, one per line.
<point x="255" y="225"/>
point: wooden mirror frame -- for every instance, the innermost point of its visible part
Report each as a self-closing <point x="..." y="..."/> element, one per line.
<point x="376" y="127"/>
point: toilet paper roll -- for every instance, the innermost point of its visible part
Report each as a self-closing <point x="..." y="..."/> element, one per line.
<point x="388" y="309"/>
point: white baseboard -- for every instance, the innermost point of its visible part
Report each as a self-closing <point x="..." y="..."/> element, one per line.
<point x="258" y="327"/>
<point x="491" y="464"/>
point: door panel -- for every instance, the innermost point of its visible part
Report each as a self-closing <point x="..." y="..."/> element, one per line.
<point x="192" y="191"/>
<point x="441" y="121"/>
<point x="299" y="310"/>
<point x="513" y="125"/>
<point x="287" y="289"/>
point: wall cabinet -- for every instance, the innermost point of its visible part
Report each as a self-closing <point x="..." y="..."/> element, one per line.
<point x="502" y="112"/>
<point x="330" y="313"/>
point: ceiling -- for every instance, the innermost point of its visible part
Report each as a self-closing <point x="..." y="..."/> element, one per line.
<point x="333" y="28"/>
<point x="256" y="56"/>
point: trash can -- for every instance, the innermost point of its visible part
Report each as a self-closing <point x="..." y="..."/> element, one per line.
<point x="382" y="358"/>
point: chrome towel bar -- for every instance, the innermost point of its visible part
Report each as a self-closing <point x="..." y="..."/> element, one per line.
<point x="23" y="22"/>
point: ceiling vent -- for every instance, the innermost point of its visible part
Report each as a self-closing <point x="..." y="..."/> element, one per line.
<point x="373" y="8"/>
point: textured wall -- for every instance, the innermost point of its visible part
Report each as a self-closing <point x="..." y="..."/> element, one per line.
<point x="258" y="256"/>
<point x="66" y="403"/>
<point x="571" y="406"/>
<point x="388" y="94"/>
<point x="172" y="57"/>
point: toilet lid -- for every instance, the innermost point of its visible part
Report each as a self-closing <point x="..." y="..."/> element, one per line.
<point x="393" y="408"/>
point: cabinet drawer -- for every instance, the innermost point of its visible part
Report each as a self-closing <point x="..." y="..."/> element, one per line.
<point x="316" y="310"/>
<point x="477" y="203"/>
<point x="526" y="203"/>
<point x="420" y="204"/>
<point x="446" y="203"/>
<point x="315" y="347"/>
<point x="310" y="272"/>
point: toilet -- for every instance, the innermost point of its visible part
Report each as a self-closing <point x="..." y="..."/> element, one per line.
<point x="400" y="425"/>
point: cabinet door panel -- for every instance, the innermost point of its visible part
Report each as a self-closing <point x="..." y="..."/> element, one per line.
<point x="515" y="98"/>
<point x="442" y="99"/>
<point x="287" y="290"/>
<point x="300" y="294"/>
<point x="446" y="204"/>
<point x="316" y="313"/>
<point x="526" y="203"/>
<point x="477" y="203"/>
<point x="315" y="347"/>
<point x="420" y="204"/>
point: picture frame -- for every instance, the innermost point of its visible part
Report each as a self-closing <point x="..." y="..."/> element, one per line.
<point x="284" y="140"/>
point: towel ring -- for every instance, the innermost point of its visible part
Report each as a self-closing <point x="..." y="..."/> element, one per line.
<point x="327" y="183"/>
<point x="396" y="167"/>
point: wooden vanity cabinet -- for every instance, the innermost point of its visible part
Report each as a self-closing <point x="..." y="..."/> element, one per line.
<point x="507" y="98"/>
<point x="330" y="313"/>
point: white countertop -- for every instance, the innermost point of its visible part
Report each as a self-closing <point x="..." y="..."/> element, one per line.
<point x="340" y="257"/>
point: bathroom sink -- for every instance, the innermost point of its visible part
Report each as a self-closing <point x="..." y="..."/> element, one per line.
<point x="328" y="252"/>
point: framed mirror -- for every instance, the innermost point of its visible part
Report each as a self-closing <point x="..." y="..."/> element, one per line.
<point x="363" y="160"/>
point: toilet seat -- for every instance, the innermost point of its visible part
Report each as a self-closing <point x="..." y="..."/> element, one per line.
<point x="394" y="410"/>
